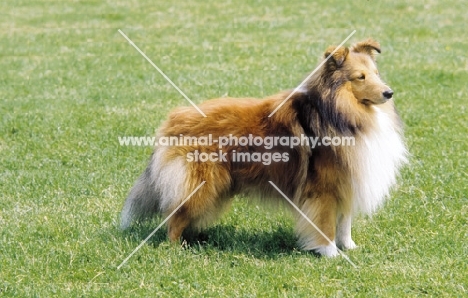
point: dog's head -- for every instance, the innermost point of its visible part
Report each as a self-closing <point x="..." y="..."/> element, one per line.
<point x="357" y="66"/>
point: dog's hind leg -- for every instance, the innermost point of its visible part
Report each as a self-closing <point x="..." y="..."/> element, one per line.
<point x="177" y="224"/>
<point x="206" y="204"/>
<point x="201" y="210"/>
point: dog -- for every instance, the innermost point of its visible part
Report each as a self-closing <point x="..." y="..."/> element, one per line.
<point x="344" y="98"/>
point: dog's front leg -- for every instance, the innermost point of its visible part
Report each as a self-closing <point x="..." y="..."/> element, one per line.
<point x="343" y="232"/>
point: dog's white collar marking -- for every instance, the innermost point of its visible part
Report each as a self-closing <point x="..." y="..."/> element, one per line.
<point x="379" y="154"/>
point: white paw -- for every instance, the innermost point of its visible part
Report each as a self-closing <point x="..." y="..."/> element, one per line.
<point x="346" y="243"/>
<point x="327" y="251"/>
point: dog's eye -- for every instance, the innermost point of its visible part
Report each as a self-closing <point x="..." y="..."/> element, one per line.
<point x="362" y="77"/>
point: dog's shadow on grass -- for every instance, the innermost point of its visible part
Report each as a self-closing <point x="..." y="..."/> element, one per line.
<point x="257" y="243"/>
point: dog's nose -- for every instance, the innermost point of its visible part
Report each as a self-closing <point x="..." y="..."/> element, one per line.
<point x="388" y="94"/>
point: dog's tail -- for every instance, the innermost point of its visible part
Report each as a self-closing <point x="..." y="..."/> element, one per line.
<point x="143" y="200"/>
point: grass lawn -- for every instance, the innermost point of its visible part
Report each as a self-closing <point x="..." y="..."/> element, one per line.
<point x="70" y="85"/>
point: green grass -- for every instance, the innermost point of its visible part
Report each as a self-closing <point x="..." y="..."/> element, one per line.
<point x="70" y="85"/>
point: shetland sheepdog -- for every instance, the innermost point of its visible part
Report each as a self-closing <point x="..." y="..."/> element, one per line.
<point x="329" y="183"/>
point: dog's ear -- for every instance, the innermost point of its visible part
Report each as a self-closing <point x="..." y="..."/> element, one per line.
<point x="338" y="57"/>
<point x="369" y="47"/>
